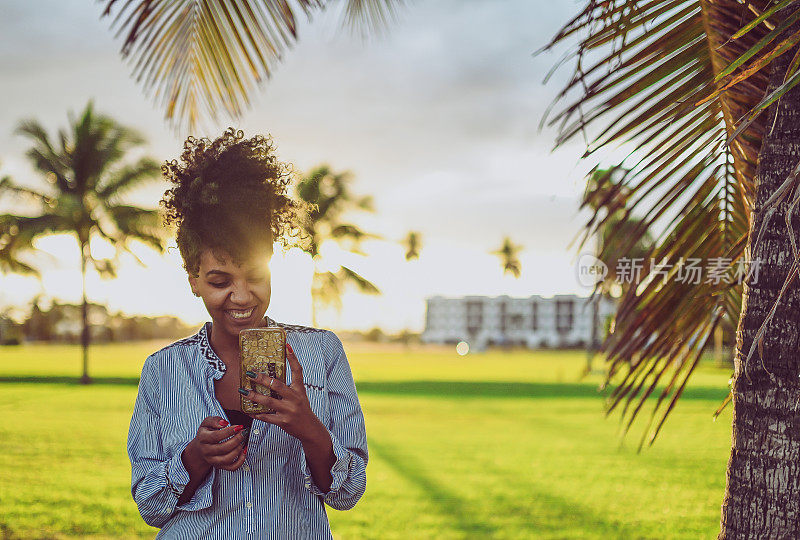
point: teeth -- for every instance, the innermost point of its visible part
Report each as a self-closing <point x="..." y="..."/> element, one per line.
<point x="241" y="314"/>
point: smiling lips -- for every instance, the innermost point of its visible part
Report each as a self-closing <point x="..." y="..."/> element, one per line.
<point x="240" y="313"/>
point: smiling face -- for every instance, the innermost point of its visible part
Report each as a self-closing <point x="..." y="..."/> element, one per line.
<point x="236" y="296"/>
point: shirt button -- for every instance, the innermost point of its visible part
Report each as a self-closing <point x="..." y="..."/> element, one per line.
<point x="248" y="504"/>
<point x="256" y="432"/>
<point x="246" y="467"/>
<point x="169" y="510"/>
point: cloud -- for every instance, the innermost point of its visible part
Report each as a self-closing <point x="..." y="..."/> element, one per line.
<point x="438" y="119"/>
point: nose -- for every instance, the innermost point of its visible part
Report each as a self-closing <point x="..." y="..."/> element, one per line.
<point x="241" y="294"/>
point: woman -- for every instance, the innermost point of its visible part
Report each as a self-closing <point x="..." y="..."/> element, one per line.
<point x="201" y="468"/>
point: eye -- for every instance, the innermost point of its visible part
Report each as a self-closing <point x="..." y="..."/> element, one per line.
<point x="219" y="285"/>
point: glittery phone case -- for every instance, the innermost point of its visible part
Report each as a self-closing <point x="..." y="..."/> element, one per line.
<point x="263" y="350"/>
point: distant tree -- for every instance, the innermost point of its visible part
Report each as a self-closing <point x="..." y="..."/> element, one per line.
<point x="329" y="196"/>
<point x="619" y="237"/>
<point x="412" y="243"/>
<point x="375" y="335"/>
<point x="87" y="177"/>
<point x="508" y="257"/>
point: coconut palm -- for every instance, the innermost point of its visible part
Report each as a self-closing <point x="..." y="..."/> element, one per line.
<point x="684" y="84"/>
<point x="205" y="57"/>
<point x="605" y="193"/>
<point x="86" y="177"/>
<point x="508" y="257"/>
<point x="413" y="244"/>
<point x="329" y="197"/>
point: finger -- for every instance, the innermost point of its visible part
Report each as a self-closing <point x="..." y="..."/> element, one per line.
<point x="214" y="436"/>
<point x="232" y="460"/>
<point x="280" y="388"/>
<point x="214" y="422"/>
<point x="220" y="449"/>
<point x="264" y="380"/>
<point x="297" y="369"/>
<point x="276" y="419"/>
<point x="261" y="399"/>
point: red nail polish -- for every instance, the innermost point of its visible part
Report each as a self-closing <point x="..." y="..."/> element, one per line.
<point x="237" y="429"/>
<point x="244" y="451"/>
<point x="290" y="348"/>
<point x="223" y="423"/>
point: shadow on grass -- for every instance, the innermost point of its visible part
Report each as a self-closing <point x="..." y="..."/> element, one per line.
<point x="464" y="517"/>
<point x="46" y="379"/>
<point x="539" y="510"/>
<point x="524" y="390"/>
<point x="443" y="389"/>
<point x="548" y="514"/>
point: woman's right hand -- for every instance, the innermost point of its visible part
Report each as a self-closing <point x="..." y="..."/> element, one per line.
<point x="206" y="449"/>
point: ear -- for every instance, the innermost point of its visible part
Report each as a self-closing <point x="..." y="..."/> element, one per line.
<point x="193" y="285"/>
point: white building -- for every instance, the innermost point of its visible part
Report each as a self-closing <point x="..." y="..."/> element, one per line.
<point x="560" y="321"/>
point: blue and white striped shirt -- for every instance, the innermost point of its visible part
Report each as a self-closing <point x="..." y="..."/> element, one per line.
<point x="272" y="495"/>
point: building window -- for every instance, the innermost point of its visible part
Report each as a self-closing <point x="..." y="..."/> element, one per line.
<point x="474" y="316"/>
<point x="564" y="315"/>
<point x="534" y="316"/>
<point x="503" y="318"/>
<point x="516" y="322"/>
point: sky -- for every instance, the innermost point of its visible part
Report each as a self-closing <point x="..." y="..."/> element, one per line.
<point x="437" y="118"/>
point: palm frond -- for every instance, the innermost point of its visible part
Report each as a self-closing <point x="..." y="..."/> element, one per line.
<point x="7" y="185"/>
<point x="327" y="289"/>
<point x="129" y="177"/>
<point x="654" y="85"/>
<point x="17" y="234"/>
<point x="364" y="285"/>
<point x="207" y="58"/>
<point x="142" y="224"/>
<point x="52" y="163"/>
<point x="370" y="16"/>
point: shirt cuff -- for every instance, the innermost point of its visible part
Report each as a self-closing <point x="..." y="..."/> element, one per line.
<point x="178" y="478"/>
<point x="339" y="471"/>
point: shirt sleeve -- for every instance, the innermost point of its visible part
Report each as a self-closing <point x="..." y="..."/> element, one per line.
<point x="158" y="477"/>
<point x="347" y="431"/>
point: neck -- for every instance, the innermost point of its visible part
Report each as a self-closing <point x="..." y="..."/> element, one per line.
<point x="223" y="344"/>
<point x="226" y="345"/>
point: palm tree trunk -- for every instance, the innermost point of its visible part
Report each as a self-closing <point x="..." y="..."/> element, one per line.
<point x="719" y="353"/>
<point x="84" y="317"/>
<point x="762" y="497"/>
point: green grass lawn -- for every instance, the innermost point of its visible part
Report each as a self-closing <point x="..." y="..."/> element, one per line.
<point x="502" y="444"/>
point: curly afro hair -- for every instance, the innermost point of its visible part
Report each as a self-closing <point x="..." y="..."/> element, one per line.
<point x="230" y="195"/>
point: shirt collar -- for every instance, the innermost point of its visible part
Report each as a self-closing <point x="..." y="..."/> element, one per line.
<point x="216" y="367"/>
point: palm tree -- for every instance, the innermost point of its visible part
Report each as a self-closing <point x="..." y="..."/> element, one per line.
<point x="413" y="245"/>
<point x="684" y="84"/>
<point x="206" y="56"/>
<point x="86" y="179"/>
<point x="329" y="196"/>
<point x="605" y="193"/>
<point x="508" y="257"/>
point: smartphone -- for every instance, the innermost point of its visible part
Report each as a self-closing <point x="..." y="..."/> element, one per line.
<point x="262" y="350"/>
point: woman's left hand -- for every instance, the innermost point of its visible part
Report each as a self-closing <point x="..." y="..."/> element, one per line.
<point x="293" y="412"/>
